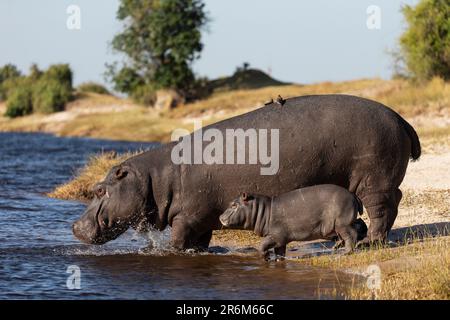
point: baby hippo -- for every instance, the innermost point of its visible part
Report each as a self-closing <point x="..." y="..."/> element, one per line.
<point x="317" y="212"/>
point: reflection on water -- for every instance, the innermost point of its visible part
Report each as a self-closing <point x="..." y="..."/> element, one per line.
<point x="37" y="246"/>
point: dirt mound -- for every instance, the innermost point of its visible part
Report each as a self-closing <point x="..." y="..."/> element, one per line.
<point x="244" y="79"/>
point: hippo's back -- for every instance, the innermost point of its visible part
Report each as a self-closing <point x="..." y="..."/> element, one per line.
<point x="324" y="139"/>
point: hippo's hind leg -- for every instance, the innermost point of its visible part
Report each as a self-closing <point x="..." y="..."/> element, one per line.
<point x="382" y="209"/>
<point x="348" y="234"/>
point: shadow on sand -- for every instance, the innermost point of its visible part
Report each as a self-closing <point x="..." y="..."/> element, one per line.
<point x="397" y="238"/>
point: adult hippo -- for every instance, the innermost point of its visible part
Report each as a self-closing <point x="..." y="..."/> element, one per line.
<point x="345" y="140"/>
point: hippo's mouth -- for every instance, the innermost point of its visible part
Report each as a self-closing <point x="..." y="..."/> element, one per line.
<point x="92" y="229"/>
<point x="224" y="218"/>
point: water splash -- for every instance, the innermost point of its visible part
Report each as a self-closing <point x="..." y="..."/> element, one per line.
<point x="158" y="242"/>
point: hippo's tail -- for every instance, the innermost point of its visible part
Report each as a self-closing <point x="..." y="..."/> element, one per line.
<point x="415" y="143"/>
<point x="359" y="205"/>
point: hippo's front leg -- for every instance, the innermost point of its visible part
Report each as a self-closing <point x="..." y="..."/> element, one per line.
<point x="182" y="235"/>
<point x="280" y="252"/>
<point x="267" y="244"/>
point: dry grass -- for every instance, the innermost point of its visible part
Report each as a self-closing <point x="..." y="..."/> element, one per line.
<point x="106" y="116"/>
<point x="420" y="270"/>
<point x="80" y="187"/>
<point x="407" y="98"/>
<point x="235" y="238"/>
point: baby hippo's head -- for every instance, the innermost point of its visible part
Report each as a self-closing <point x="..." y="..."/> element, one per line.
<point x="238" y="214"/>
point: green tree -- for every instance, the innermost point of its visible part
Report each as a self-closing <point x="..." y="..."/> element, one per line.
<point x="35" y="73"/>
<point x="161" y="39"/>
<point x="425" y="45"/>
<point x="8" y="71"/>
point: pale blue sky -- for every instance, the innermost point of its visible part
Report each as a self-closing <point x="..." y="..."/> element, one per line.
<point x="300" y="41"/>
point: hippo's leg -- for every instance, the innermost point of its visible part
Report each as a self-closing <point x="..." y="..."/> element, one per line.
<point x="361" y="228"/>
<point x="382" y="209"/>
<point x="202" y="242"/>
<point x="182" y="235"/>
<point x="349" y="235"/>
<point x="267" y="244"/>
<point x="338" y="244"/>
<point x="280" y="252"/>
<point x="398" y="198"/>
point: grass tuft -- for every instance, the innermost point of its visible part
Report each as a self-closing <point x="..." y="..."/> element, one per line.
<point x="80" y="187"/>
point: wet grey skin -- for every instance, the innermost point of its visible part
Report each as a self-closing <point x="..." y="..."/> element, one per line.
<point x="358" y="144"/>
<point x="312" y="213"/>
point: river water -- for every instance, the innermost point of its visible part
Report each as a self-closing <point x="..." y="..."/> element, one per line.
<point x="40" y="258"/>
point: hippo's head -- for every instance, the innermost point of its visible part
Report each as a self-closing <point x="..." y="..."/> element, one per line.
<point x="239" y="212"/>
<point x="120" y="201"/>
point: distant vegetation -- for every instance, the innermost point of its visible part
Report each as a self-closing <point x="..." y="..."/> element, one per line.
<point x="92" y="87"/>
<point x="425" y="45"/>
<point x="162" y="45"/>
<point x="244" y="78"/>
<point x="161" y="39"/>
<point x="41" y="91"/>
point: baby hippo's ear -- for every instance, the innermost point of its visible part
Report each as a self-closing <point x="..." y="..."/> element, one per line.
<point x="244" y="196"/>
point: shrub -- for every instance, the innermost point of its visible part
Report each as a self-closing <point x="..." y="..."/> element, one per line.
<point x="92" y="87"/>
<point x="425" y="46"/>
<point x="53" y="89"/>
<point x="9" y="85"/>
<point x="60" y="73"/>
<point x="19" y="102"/>
<point x="49" y="95"/>
<point x="144" y="94"/>
<point x="43" y="92"/>
<point x="35" y="73"/>
<point x="9" y="71"/>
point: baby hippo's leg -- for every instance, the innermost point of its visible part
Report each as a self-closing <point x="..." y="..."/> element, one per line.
<point x="267" y="244"/>
<point x="349" y="235"/>
<point x="280" y="252"/>
<point x="339" y="243"/>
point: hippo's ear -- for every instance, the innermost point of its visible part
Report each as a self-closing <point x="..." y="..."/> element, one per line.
<point x="244" y="196"/>
<point x="121" y="172"/>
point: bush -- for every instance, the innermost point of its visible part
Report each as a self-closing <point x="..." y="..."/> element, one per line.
<point x="92" y="87"/>
<point x="425" y="46"/>
<point x="144" y="94"/>
<point x="43" y="92"/>
<point x="9" y="71"/>
<point x="49" y="95"/>
<point x="9" y="85"/>
<point x="60" y="73"/>
<point x="53" y="89"/>
<point x="19" y="102"/>
<point x="35" y="73"/>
